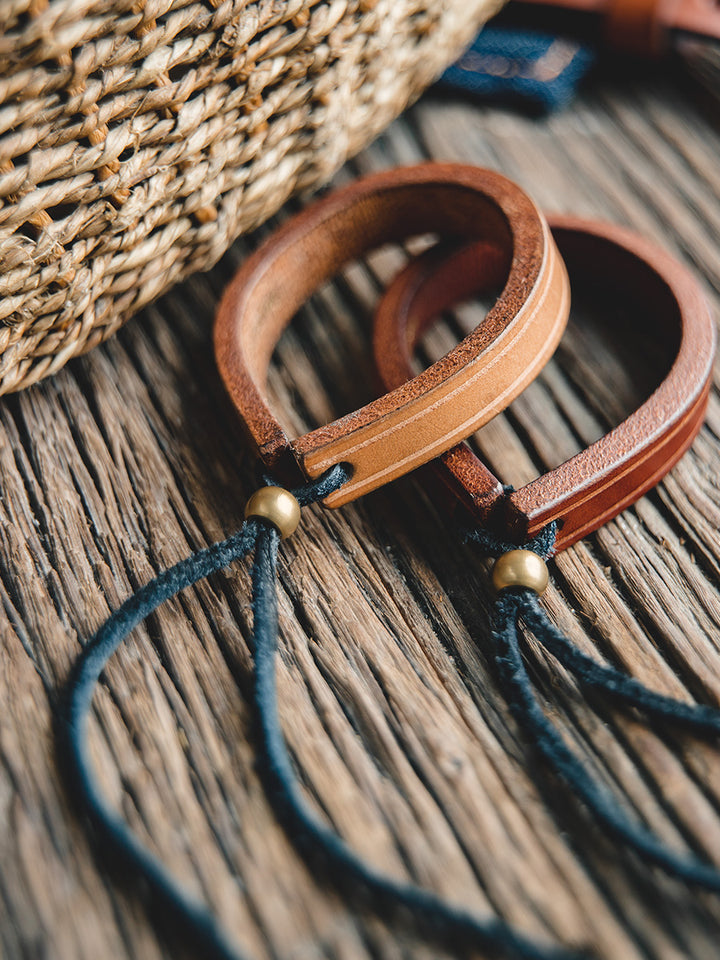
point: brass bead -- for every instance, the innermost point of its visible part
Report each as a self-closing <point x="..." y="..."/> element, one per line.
<point x="278" y="506"/>
<point x="520" y="568"/>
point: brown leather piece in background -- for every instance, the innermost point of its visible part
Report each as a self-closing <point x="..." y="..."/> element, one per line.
<point x="635" y="27"/>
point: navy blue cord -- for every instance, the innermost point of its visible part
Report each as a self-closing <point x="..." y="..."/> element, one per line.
<point x="619" y="686"/>
<point x="311" y="836"/>
<point x="515" y="605"/>
<point x="172" y="899"/>
<point x="111" y="830"/>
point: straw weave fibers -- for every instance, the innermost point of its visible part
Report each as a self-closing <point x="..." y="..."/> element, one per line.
<point x="139" y="138"/>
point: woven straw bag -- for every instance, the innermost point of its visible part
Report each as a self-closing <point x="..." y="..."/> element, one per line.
<point x="139" y="138"/>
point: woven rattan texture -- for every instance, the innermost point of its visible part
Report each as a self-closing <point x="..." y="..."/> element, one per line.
<point x="138" y="139"/>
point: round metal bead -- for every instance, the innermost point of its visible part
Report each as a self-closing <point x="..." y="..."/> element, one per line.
<point x="278" y="506"/>
<point x="520" y="568"/>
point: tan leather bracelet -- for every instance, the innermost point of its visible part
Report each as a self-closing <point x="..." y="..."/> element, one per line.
<point x="594" y="486"/>
<point x="418" y="419"/>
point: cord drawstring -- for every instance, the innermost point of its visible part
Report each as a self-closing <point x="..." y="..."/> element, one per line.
<point x="319" y="843"/>
<point x="314" y="839"/>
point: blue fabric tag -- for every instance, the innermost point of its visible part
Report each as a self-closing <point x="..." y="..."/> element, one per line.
<point x="509" y="64"/>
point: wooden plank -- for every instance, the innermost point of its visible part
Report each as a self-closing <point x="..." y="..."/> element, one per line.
<point x="132" y="457"/>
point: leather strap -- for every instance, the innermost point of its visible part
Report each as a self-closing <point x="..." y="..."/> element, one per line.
<point x="418" y="419"/>
<point x="639" y="27"/>
<point x="594" y="486"/>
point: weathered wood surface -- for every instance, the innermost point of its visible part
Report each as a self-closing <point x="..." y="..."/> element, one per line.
<point x="132" y="457"/>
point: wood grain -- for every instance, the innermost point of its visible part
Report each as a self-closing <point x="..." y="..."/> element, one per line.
<point x="132" y="457"/>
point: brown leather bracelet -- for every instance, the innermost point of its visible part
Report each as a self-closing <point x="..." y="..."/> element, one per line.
<point x="421" y="418"/>
<point x="637" y="27"/>
<point x="594" y="486"/>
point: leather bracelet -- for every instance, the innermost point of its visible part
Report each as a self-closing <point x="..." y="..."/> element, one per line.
<point x="636" y="27"/>
<point x="596" y="484"/>
<point x="420" y="418"/>
<point x="519" y="575"/>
